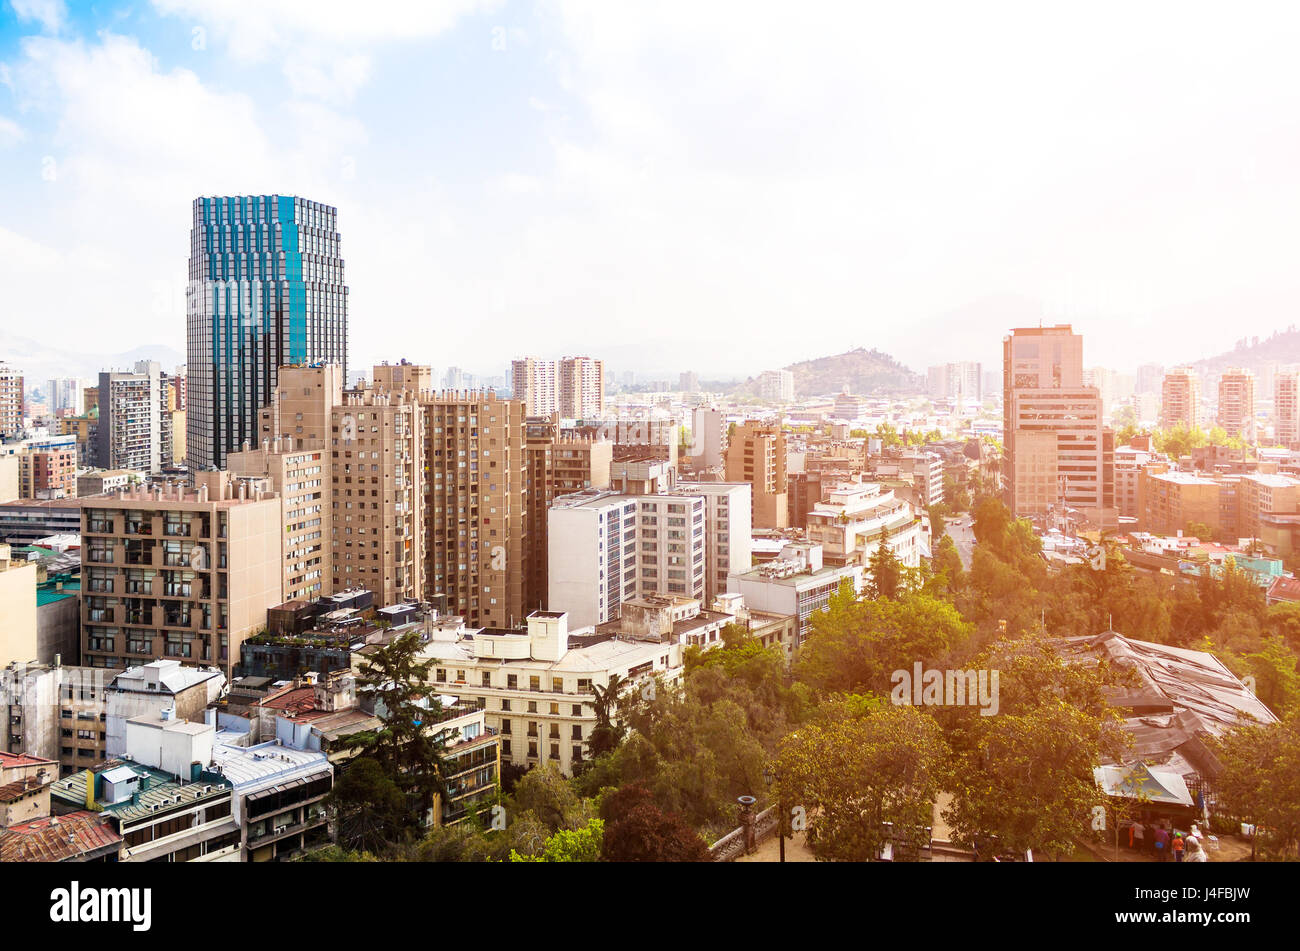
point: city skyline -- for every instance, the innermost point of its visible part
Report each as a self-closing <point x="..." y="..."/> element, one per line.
<point x="607" y="207"/>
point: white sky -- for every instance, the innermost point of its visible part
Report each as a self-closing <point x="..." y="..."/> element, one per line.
<point x="717" y="187"/>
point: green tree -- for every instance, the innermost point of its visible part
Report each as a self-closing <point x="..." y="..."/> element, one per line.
<point x="884" y="571"/>
<point x="406" y="745"/>
<point x="1029" y="780"/>
<point x="607" y="732"/>
<point x="570" y="845"/>
<point x="370" y="811"/>
<point x="855" y="646"/>
<point x="547" y="794"/>
<point x="1260" y="782"/>
<point x="852" y="774"/>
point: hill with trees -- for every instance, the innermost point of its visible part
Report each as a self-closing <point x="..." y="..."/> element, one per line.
<point x="864" y="372"/>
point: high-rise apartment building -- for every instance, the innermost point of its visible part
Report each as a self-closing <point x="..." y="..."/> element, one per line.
<point x="130" y="429"/>
<point x="728" y="534"/>
<point x="301" y="406"/>
<point x="265" y="290"/>
<point x="582" y="387"/>
<point x="708" y="437"/>
<point x="956" y="381"/>
<point x="475" y="490"/>
<point x="301" y="478"/>
<point x="66" y="396"/>
<point x="1149" y="378"/>
<point x="1286" y="407"/>
<point x="776" y="386"/>
<point x="1237" y="403"/>
<point x="573" y="387"/>
<point x="377" y="495"/>
<point x="294" y="453"/>
<point x="179" y="573"/>
<point x="606" y="548"/>
<point x="411" y="377"/>
<point x="1056" y="447"/>
<point x="756" y="454"/>
<point x="11" y="402"/>
<point x="558" y="465"/>
<point x="48" y="472"/>
<point x="1180" y="399"/>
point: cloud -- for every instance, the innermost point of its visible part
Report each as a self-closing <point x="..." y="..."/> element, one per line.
<point x="11" y="133"/>
<point x="130" y="146"/>
<point x="51" y="14"/>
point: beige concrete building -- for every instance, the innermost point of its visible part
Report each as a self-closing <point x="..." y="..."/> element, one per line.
<point x="558" y="465"/>
<point x="17" y="609"/>
<point x="573" y="387"/>
<point x="11" y="401"/>
<point x="179" y="573"/>
<point x="377" y="495"/>
<point x="477" y="542"/>
<point x="47" y="473"/>
<point x="301" y="479"/>
<point x="1057" y="453"/>
<point x="412" y="377"/>
<point x="537" y="689"/>
<point x="301" y="405"/>
<point x="1237" y="403"/>
<point x="1172" y="501"/>
<point x="474" y="494"/>
<point x="1286" y="407"/>
<point x="756" y="454"/>
<point x="853" y="519"/>
<point x="1260" y="495"/>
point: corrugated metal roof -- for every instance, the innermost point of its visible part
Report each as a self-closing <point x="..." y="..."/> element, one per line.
<point x="56" y="838"/>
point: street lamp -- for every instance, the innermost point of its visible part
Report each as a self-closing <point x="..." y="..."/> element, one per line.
<point x="768" y="777"/>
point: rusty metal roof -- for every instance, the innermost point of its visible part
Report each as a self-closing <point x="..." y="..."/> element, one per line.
<point x="57" y="838"/>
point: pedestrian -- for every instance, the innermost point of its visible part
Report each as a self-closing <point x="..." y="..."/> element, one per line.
<point x="1137" y="837"/>
<point x="1162" y="844"/>
<point x="1194" y="851"/>
<point x="1178" y="847"/>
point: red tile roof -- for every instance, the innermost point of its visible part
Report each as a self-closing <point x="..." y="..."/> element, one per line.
<point x="56" y="838"/>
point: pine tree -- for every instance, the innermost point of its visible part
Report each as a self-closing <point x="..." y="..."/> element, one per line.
<point x="886" y="572"/>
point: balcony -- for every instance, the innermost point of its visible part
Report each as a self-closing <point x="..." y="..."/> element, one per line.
<point x="100" y="615"/>
<point x="177" y="530"/>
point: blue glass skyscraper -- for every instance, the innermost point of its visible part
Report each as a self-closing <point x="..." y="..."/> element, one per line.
<point x="265" y="290"/>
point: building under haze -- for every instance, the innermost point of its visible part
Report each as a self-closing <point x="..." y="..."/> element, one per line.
<point x="573" y="387"/>
<point x="1237" y="403"/>
<point x="1058" y="452"/>
<point x="265" y="290"/>
<point x="1180" y="398"/>
<point x="1286" y="407"/>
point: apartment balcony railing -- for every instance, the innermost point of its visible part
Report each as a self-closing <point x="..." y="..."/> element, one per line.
<point x="100" y="615"/>
<point x="178" y="530"/>
<point x="100" y="556"/>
